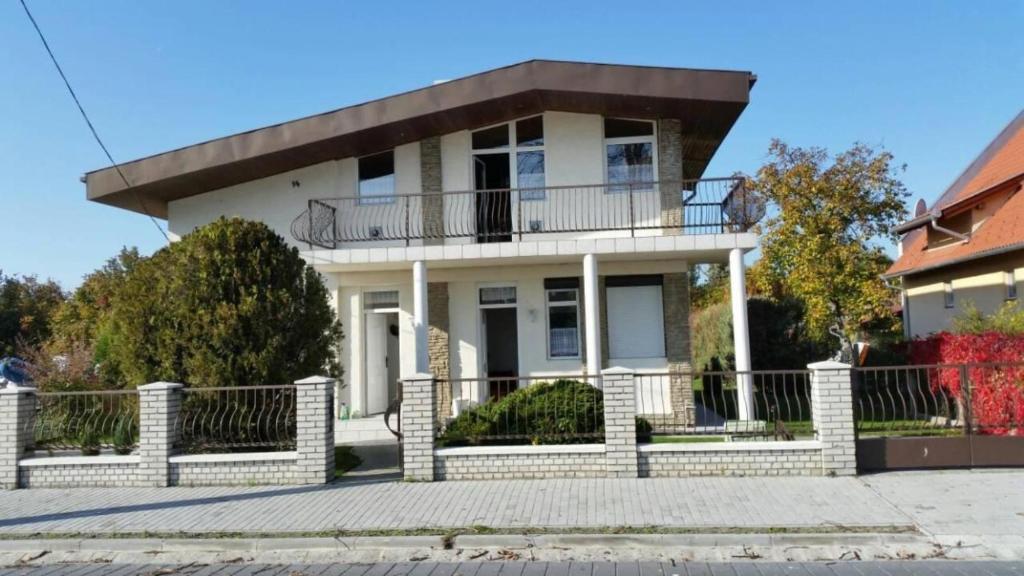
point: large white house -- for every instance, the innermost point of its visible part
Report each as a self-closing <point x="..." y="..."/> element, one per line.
<point x="533" y="220"/>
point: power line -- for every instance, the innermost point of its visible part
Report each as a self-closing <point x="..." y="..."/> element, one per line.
<point x="89" y="122"/>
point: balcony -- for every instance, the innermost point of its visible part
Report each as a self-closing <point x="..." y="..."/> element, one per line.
<point x="707" y="206"/>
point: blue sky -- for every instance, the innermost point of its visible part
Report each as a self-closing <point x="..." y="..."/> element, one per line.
<point x="931" y="81"/>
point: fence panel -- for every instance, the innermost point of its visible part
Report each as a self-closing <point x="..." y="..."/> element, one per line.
<point x="88" y="421"/>
<point x="237" y="419"/>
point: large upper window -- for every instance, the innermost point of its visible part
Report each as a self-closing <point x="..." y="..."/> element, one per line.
<point x="563" y="322"/>
<point x="629" y="152"/>
<point x="523" y="141"/>
<point x="377" y="178"/>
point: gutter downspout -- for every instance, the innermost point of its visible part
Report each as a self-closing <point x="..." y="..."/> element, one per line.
<point x="935" y="226"/>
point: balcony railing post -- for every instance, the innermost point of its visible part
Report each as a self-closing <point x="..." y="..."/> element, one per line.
<point x="632" y="217"/>
<point x="519" y="210"/>
<point x="965" y="399"/>
<point x="406" y="220"/>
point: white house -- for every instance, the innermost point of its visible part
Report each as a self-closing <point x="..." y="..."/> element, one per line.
<point x="533" y="220"/>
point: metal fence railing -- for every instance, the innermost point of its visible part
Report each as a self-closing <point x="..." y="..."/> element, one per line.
<point x="240" y="418"/>
<point x="523" y="410"/>
<point x="88" y="421"/>
<point x="706" y="406"/>
<point x="939" y="400"/>
<point x="707" y="206"/>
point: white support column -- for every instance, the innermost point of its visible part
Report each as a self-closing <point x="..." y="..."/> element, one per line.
<point x="419" y="315"/>
<point x="741" y="333"/>
<point x="592" y="314"/>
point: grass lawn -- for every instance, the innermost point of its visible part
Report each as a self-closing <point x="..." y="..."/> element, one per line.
<point x="344" y="460"/>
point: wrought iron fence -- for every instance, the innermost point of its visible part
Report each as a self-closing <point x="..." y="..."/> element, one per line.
<point x="240" y="418"/>
<point x="706" y="406"/>
<point x="87" y="421"/>
<point x="939" y="400"/>
<point x="707" y="206"/>
<point x="523" y="410"/>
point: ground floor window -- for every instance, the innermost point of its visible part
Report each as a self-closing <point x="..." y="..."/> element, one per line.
<point x="635" y="319"/>
<point x="563" y="322"/>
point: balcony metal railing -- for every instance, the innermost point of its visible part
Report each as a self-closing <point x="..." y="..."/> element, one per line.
<point x="708" y="206"/>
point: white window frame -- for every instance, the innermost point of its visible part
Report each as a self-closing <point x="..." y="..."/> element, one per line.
<point x="949" y="298"/>
<point x="548" y="305"/>
<point x="652" y="139"/>
<point x="384" y="199"/>
<point x="1010" y="281"/>
<point x="513" y="151"/>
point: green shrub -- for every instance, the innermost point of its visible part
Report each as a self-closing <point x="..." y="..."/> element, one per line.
<point x="124" y="435"/>
<point x="559" y="412"/>
<point x="89" y="439"/>
<point x="644" y="430"/>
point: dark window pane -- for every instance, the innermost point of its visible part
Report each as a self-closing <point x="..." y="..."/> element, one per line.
<point x="618" y="128"/>
<point x="563" y="332"/>
<point x="496" y="137"/>
<point x="377" y="178"/>
<point x="530" y="132"/>
<point x="567" y="295"/>
<point x="378" y="165"/>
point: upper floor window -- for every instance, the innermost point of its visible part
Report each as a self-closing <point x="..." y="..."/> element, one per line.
<point x="629" y="152"/>
<point x="1010" y="280"/>
<point x="377" y="178"/>
<point x="518" y="145"/>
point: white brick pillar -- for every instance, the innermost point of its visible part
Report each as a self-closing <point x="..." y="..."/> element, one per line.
<point x="314" y="438"/>
<point x="832" y="412"/>
<point x="418" y="427"/>
<point x="17" y="408"/>
<point x="619" y="422"/>
<point x="159" y="404"/>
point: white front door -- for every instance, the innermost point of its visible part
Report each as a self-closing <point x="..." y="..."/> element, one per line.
<point x="376" y="363"/>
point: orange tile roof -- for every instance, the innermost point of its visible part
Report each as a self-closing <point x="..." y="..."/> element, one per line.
<point x="1002" y="161"/>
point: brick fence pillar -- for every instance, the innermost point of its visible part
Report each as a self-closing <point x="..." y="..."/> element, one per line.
<point x="159" y="404"/>
<point x="17" y="408"/>
<point x="314" y="438"/>
<point x="832" y="412"/>
<point x="619" y="422"/>
<point x="418" y="427"/>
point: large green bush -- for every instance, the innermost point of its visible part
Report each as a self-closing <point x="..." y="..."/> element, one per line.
<point x="559" y="412"/>
<point x="26" y="308"/>
<point x="231" y="304"/>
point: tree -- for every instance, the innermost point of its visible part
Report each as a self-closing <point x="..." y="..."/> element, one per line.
<point x="26" y="308"/>
<point x="823" y="242"/>
<point x="231" y="304"/>
<point x="85" y="316"/>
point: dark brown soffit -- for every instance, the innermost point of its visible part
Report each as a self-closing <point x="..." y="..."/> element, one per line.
<point x="708" y="102"/>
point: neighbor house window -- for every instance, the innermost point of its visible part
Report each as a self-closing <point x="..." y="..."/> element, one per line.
<point x="377" y="178"/>
<point x="1010" y="279"/>
<point x="635" y="319"/>
<point x="947" y="289"/>
<point x="629" y="154"/>
<point x="562" y="298"/>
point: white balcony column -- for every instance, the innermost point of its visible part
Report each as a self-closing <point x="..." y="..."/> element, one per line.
<point x="592" y="314"/>
<point x="741" y="334"/>
<point x="419" y="315"/>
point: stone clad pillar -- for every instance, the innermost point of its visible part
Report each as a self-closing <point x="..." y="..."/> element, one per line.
<point x="17" y="410"/>
<point x="314" y="439"/>
<point x="418" y="427"/>
<point x="670" y="174"/>
<point x="832" y="414"/>
<point x="676" y="306"/>
<point x="430" y="182"/>
<point x="438" y="346"/>
<point x="620" y="422"/>
<point x="159" y="404"/>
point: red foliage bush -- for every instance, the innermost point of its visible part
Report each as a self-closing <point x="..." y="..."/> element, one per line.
<point x="995" y="373"/>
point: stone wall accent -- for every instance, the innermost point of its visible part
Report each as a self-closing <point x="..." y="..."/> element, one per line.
<point x="832" y="413"/>
<point x="159" y="403"/>
<point x="510" y="462"/>
<point x="262" y="468"/>
<point x="670" y="173"/>
<point x="619" y="422"/>
<point x="730" y="459"/>
<point x="418" y="427"/>
<point x="675" y="292"/>
<point x="438" y="350"/>
<point x="17" y="408"/>
<point x="314" y="439"/>
<point x="430" y="180"/>
<point x="80" y="472"/>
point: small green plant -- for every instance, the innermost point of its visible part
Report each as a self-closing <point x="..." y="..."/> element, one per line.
<point x="89" y="440"/>
<point x="124" y="437"/>
<point x="644" y="430"/>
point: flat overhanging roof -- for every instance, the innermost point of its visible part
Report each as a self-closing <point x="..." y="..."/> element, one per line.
<point x="707" y="102"/>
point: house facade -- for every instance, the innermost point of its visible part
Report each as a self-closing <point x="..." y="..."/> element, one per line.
<point x="537" y="220"/>
<point x="968" y="248"/>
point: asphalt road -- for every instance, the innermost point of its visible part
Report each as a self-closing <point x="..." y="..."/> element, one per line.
<point x="895" y="568"/>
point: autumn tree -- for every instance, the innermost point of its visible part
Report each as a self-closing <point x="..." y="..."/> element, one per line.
<point x="823" y="240"/>
<point x="26" y="308"/>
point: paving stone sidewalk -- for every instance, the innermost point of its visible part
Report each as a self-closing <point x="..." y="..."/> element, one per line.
<point x="363" y="505"/>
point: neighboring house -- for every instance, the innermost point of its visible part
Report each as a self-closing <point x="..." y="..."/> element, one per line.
<point x="969" y="246"/>
<point x="533" y="220"/>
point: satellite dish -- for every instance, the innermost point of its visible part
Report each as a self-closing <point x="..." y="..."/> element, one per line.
<point x="920" y="208"/>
